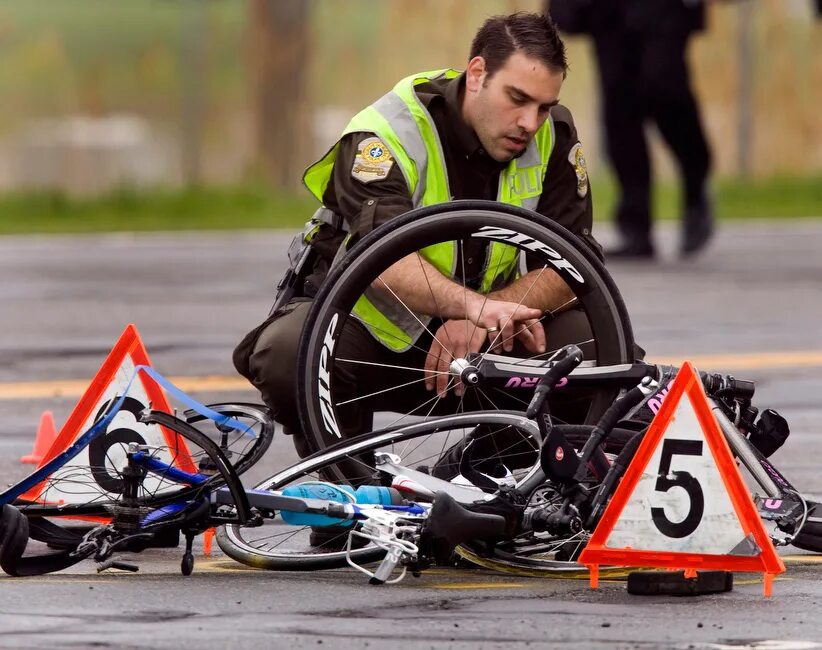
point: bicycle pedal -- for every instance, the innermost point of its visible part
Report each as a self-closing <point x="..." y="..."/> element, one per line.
<point x="117" y="564"/>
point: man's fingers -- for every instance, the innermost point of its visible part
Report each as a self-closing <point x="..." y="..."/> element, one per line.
<point x="526" y="337"/>
<point x="507" y="335"/>
<point x="526" y="313"/>
<point x="495" y="340"/>
<point x="443" y="376"/>
<point x="537" y="333"/>
<point x="431" y="362"/>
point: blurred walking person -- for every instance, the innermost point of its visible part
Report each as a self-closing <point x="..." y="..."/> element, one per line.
<point x="641" y="48"/>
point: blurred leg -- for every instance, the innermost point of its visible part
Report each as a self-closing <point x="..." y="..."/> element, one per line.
<point x="617" y="55"/>
<point x="671" y="103"/>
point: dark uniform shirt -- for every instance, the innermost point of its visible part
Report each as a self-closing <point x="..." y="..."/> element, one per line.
<point x="472" y="174"/>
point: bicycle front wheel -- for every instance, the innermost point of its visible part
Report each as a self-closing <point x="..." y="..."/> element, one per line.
<point x="337" y="386"/>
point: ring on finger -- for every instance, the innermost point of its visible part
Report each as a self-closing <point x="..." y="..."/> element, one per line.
<point x="491" y="330"/>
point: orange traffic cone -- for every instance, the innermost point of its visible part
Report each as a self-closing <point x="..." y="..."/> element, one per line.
<point x="208" y="540"/>
<point x="46" y="434"/>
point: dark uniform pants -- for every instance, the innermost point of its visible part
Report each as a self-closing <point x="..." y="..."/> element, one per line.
<point x="272" y="367"/>
<point x="644" y="76"/>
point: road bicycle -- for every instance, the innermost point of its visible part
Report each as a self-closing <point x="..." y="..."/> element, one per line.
<point x="497" y="387"/>
<point x="537" y="517"/>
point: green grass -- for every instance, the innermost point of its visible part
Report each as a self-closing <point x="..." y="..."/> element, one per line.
<point x="735" y="198"/>
<point x="257" y="206"/>
<point x="195" y="209"/>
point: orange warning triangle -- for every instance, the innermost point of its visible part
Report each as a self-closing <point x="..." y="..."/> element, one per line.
<point x="104" y="454"/>
<point x="682" y="503"/>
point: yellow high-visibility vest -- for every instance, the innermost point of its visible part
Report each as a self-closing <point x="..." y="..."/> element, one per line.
<point x="406" y="129"/>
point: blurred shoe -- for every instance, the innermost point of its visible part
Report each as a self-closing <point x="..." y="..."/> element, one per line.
<point x="633" y="250"/>
<point x="698" y="228"/>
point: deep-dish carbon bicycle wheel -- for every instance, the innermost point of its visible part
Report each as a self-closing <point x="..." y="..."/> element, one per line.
<point x="325" y="395"/>
<point x="417" y="447"/>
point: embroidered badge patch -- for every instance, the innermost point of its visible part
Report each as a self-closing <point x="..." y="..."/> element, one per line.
<point x="372" y="162"/>
<point x="577" y="159"/>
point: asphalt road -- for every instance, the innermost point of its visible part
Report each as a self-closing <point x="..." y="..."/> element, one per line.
<point x="751" y="306"/>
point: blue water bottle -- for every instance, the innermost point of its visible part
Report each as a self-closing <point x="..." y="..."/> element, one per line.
<point x="383" y="496"/>
<point x="372" y="494"/>
<point x="317" y="490"/>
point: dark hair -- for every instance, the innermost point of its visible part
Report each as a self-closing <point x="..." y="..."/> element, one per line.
<point x="535" y="35"/>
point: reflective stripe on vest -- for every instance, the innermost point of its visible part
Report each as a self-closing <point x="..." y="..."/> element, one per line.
<point x="406" y="128"/>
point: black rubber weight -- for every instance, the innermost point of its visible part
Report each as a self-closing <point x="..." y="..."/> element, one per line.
<point x="14" y="535"/>
<point x="674" y="583"/>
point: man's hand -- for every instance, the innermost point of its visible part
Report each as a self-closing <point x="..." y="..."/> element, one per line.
<point x="508" y="320"/>
<point x="456" y="338"/>
<point x="453" y="340"/>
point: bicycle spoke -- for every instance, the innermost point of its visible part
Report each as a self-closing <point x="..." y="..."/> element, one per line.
<point x="436" y="304"/>
<point x="380" y="392"/>
<point x="387" y="365"/>
<point x="402" y="302"/>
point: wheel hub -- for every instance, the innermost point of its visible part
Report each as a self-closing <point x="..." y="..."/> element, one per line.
<point x="468" y="373"/>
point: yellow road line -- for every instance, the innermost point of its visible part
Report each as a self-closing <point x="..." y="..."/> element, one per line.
<point x="217" y="383"/>
<point x="480" y="585"/>
<point x="802" y="559"/>
<point x="753" y="361"/>
<point x="76" y="387"/>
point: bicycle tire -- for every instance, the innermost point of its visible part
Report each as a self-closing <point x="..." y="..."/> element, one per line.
<point x="545" y="241"/>
<point x="809" y="537"/>
<point x="261" y="421"/>
<point x="284" y="548"/>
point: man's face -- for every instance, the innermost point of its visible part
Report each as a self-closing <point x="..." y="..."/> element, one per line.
<point x="508" y="108"/>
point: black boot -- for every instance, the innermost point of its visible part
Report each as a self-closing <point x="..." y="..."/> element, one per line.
<point x="697" y="228"/>
<point x="633" y="249"/>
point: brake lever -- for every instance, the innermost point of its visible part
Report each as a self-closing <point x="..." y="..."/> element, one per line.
<point x="564" y="361"/>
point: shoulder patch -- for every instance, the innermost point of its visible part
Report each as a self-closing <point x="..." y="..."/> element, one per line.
<point x="372" y="162"/>
<point x="561" y="113"/>
<point x="577" y="159"/>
